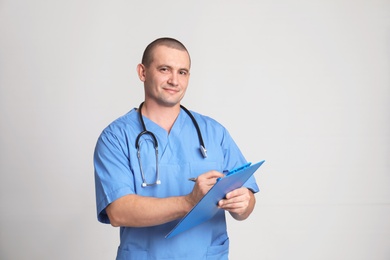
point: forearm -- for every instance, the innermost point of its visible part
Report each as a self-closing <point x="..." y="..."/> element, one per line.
<point x="138" y="211"/>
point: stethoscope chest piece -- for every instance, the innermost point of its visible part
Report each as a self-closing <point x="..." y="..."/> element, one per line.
<point x="203" y="151"/>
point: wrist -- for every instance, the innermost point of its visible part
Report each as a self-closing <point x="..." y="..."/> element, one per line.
<point x="189" y="202"/>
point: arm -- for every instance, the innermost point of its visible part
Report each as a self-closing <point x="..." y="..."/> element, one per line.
<point x="240" y="203"/>
<point x="139" y="211"/>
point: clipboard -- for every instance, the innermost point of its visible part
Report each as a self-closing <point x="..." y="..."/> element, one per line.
<point x="207" y="207"/>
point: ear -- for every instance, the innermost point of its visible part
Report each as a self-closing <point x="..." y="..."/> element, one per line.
<point x="141" y="72"/>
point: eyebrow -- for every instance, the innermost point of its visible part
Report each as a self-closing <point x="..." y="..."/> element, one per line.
<point x="185" y="69"/>
<point x="170" y="67"/>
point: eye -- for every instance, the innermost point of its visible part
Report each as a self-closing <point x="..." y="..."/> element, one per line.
<point x="164" y="69"/>
<point x="183" y="72"/>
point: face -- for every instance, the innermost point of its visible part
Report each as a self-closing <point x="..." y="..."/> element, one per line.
<point x="166" y="78"/>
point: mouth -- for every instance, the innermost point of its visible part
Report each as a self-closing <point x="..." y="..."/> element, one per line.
<point x="171" y="90"/>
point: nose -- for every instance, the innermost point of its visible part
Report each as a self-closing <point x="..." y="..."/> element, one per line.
<point x="173" y="79"/>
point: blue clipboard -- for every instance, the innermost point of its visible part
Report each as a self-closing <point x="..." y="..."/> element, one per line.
<point x="207" y="207"/>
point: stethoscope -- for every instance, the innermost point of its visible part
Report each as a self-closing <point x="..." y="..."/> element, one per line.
<point x="155" y="144"/>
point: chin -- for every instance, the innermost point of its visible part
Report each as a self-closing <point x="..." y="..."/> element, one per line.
<point x="169" y="103"/>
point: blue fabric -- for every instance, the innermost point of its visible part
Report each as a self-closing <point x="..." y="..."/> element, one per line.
<point x="117" y="173"/>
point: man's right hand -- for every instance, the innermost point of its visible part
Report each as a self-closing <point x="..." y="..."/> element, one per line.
<point x="203" y="184"/>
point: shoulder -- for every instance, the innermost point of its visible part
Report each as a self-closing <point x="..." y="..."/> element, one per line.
<point x="203" y="119"/>
<point x="210" y="126"/>
<point x="122" y="125"/>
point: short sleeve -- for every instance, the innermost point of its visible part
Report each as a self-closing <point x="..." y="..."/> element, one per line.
<point x="113" y="176"/>
<point x="234" y="158"/>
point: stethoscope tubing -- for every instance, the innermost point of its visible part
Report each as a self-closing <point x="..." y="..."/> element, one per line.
<point x="155" y="143"/>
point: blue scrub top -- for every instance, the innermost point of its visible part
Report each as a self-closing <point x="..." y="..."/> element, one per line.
<point x="117" y="173"/>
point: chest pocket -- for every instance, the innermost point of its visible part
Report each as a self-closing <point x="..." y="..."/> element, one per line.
<point x="200" y="168"/>
<point x="174" y="181"/>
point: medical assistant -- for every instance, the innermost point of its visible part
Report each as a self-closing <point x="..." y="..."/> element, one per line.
<point x="117" y="173"/>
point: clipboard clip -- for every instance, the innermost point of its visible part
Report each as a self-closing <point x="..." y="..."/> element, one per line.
<point x="239" y="169"/>
<point x="235" y="170"/>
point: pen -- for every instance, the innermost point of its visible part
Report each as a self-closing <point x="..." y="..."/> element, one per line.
<point x="194" y="179"/>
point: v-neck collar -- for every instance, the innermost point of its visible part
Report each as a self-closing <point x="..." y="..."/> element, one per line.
<point x="163" y="137"/>
<point x="158" y="130"/>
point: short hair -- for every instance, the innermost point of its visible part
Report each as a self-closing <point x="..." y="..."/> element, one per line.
<point x="147" y="57"/>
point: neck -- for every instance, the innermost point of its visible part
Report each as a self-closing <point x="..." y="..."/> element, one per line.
<point x="162" y="115"/>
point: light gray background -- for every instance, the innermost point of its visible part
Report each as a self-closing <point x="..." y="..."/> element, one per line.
<point x="304" y="85"/>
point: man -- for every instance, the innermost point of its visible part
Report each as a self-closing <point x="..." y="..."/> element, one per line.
<point x="146" y="196"/>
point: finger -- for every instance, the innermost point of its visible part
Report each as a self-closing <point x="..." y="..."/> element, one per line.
<point x="236" y="196"/>
<point x="207" y="182"/>
<point x="232" y="201"/>
<point x="209" y="178"/>
<point x="212" y="175"/>
<point x="237" y="193"/>
<point x="234" y="207"/>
